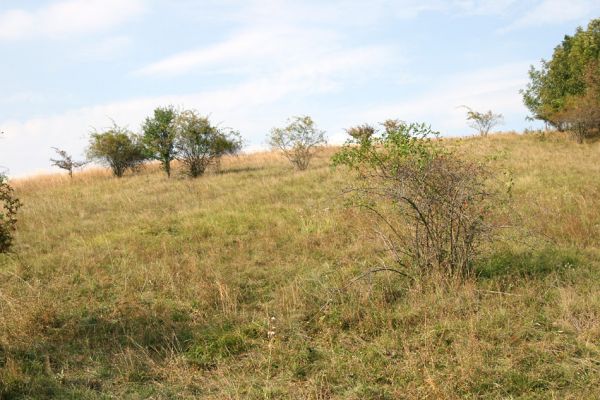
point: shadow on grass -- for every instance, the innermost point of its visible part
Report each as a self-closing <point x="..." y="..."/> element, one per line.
<point x="237" y="170"/>
<point x="91" y="346"/>
<point x="76" y="355"/>
<point x="531" y="264"/>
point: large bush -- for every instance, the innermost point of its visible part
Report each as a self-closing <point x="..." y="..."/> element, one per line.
<point x="298" y="140"/>
<point x="430" y="207"/>
<point x="564" y="91"/>
<point x="9" y="205"/>
<point x="199" y="143"/>
<point x="118" y="148"/>
<point x="159" y="136"/>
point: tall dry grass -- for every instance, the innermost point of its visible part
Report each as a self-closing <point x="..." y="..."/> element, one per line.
<point x="145" y="287"/>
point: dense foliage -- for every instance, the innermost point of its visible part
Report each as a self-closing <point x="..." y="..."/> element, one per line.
<point x="118" y="148"/>
<point x="565" y="91"/>
<point x="198" y="143"/>
<point x="9" y="205"/>
<point x="159" y="136"/>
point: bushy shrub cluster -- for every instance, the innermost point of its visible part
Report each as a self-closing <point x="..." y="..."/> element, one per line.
<point x="431" y="206"/>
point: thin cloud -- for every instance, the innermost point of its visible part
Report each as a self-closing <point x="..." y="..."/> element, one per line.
<point x="63" y="18"/>
<point x="549" y="12"/>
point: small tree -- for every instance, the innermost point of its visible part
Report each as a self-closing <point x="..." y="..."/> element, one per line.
<point x="66" y="161"/>
<point x="199" y="144"/>
<point x="159" y="136"/>
<point x="483" y="122"/>
<point x="9" y="205"/>
<point x="298" y="140"/>
<point x="430" y="206"/>
<point x="118" y="148"/>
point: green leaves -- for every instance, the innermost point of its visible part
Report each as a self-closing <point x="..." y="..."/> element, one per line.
<point x="159" y="136"/>
<point x="9" y="205"/>
<point x="118" y="148"/>
<point x="561" y="79"/>
<point x="198" y="143"/>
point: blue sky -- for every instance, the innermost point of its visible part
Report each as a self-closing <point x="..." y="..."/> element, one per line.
<point x="70" y="66"/>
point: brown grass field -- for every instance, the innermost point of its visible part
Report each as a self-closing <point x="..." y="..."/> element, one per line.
<point x="150" y="288"/>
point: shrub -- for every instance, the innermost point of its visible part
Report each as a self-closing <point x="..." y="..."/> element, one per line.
<point x="430" y="206"/>
<point x="483" y="122"/>
<point x="199" y="144"/>
<point x="159" y="136"/>
<point x="298" y="140"/>
<point x="118" y="148"/>
<point x="9" y="205"/>
<point x="66" y="161"/>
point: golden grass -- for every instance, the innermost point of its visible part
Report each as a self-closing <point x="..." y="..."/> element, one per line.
<point x="145" y="287"/>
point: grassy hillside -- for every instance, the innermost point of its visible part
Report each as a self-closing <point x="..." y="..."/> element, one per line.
<point x="144" y="287"/>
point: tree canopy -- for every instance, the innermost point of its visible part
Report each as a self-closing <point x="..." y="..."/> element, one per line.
<point x="565" y="90"/>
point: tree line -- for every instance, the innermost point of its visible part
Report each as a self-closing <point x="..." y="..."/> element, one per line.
<point x="191" y="139"/>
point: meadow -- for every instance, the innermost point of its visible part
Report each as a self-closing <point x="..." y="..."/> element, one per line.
<point x="241" y="285"/>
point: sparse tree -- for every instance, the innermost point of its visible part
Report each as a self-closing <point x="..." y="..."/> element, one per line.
<point x="159" y="136"/>
<point x="483" y="122"/>
<point x="199" y="143"/>
<point x="66" y="161"/>
<point x="298" y="140"/>
<point x="117" y="148"/>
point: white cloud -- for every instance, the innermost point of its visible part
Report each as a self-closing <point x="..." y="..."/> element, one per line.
<point x="63" y="18"/>
<point x="258" y="50"/>
<point x="555" y="12"/>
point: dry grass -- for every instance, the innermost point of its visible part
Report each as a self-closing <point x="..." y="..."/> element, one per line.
<point x="145" y="287"/>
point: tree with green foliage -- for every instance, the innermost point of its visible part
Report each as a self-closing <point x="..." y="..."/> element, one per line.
<point x="298" y="140"/>
<point x="563" y="92"/>
<point x="118" y="148"/>
<point x="159" y="136"/>
<point x="199" y="144"/>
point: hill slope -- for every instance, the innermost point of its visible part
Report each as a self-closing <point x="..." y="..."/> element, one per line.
<point x="235" y="286"/>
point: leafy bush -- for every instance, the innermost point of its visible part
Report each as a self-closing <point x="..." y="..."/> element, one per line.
<point x="9" y="205"/>
<point x="431" y="206"/>
<point x="159" y="136"/>
<point x="298" y="140"/>
<point x="199" y="144"/>
<point x="118" y="148"/>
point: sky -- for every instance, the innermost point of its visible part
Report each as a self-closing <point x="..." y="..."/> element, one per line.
<point x="70" y="67"/>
